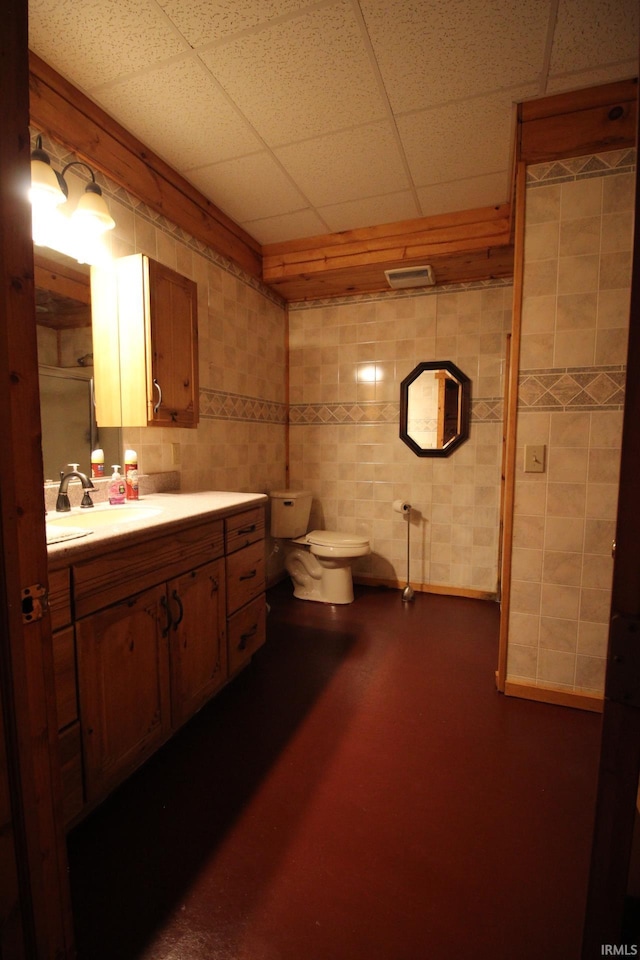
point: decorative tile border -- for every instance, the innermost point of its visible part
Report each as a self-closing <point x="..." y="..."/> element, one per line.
<point x="572" y="388"/>
<point x="488" y="410"/>
<point x="581" y="168"/>
<point x="217" y="405"/>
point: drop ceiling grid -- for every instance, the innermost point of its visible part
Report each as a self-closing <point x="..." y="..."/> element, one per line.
<point x="279" y="110"/>
<point x="447" y="50"/>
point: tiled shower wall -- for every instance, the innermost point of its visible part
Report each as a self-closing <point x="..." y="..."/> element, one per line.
<point x="347" y="360"/>
<point x="578" y="243"/>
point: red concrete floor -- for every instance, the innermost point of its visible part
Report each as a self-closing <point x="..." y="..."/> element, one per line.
<point x="360" y="792"/>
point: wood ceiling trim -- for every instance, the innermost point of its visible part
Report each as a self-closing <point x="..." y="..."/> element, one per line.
<point x="578" y="124"/>
<point x="461" y="247"/>
<point x="61" y="111"/>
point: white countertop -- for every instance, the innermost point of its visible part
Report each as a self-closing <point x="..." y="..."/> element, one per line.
<point x="105" y="523"/>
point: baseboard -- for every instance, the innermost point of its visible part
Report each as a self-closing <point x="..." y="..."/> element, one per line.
<point x="562" y="698"/>
<point x="443" y="590"/>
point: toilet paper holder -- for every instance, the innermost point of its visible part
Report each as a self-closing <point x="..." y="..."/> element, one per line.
<point x="401" y="506"/>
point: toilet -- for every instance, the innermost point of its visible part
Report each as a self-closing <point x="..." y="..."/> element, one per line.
<point x="319" y="562"/>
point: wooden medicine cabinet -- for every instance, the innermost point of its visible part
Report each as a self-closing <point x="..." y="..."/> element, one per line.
<point x="145" y="336"/>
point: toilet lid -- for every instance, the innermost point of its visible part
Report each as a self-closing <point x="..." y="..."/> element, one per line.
<point x="332" y="538"/>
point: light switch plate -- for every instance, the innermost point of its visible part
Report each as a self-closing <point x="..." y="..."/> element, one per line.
<point x="534" y="458"/>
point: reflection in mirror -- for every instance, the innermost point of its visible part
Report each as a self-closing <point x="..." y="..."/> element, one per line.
<point x="65" y="361"/>
<point x="434" y="408"/>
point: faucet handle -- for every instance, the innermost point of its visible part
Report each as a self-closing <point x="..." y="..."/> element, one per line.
<point x="74" y="466"/>
<point x="86" y="498"/>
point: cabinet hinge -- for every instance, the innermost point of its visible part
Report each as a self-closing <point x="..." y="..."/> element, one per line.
<point x="35" y="603"/>
<point x="623" y="666"/>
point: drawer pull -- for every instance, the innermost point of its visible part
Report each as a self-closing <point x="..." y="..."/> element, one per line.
<point x="177" y="599"/>
<point x="244" y="530"/>
<point x="248" y="576"/>
<point x="245" y="637"/>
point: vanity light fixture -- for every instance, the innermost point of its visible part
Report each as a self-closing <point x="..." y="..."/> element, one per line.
<point x="49" y="190"/>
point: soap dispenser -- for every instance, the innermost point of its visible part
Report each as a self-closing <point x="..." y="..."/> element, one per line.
<point x="116" y="486"/>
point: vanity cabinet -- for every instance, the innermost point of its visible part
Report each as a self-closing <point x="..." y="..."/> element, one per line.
<point x="160" y="626"/>
<point x="123" y="670"/>
<point x="197" y="638"/>
<point x="145" y="335"/>
<point x="64" y="666"/>
<point x="246" y="607"/>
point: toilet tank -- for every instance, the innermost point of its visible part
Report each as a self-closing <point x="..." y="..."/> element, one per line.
<point x="290" y="511"/>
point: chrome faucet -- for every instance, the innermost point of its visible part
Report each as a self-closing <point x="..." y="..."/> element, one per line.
<point x="62" y="503"/>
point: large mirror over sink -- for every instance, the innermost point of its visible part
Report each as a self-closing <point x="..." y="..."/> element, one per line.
<point x="65" y="365"/>
<point x="434" y="408"/>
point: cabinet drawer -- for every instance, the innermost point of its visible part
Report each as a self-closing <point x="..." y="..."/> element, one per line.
<point x="64" y="668"/>
<point x="246" y="632"/>
<point x="60" y="598"/>
<point x="115" y="576"/>
<point x="245" y="576"/>
<point x="71" y="765"/>
<point x="244" y="529"/>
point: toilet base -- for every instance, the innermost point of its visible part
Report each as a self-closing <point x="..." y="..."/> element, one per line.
<point x="329" y="581"/>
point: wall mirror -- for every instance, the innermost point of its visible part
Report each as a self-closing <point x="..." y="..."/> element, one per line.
<point x="434" y="408"/>
<point x="65" y="366"/>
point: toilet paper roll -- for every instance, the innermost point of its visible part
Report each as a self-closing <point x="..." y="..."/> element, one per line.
<point x="401" y="506"/>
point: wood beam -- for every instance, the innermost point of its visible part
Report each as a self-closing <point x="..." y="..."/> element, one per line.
<point x="578" y="124"/>
<point x="463" y="246"/>
<point x="61" y="111"/>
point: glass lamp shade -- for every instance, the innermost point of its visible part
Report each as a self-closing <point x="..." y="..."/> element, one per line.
<point x="92" y="213"/>
<point x="45" y="186"/>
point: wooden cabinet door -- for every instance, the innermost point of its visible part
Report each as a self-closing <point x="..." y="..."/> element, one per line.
<point x="173" y="304"/>
<point x="123" y="676"/>
<point x="198" y="649"/>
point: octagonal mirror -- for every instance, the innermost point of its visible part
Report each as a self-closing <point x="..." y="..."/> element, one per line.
<point x="434" y="408"/>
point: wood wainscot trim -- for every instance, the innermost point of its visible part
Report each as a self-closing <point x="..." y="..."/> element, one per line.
<point x="439" y="589"/>
<point x="562" y="698"/>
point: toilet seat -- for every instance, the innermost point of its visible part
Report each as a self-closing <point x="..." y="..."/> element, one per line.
<point x="334" y="538"/>
<point x="332" y="545"/>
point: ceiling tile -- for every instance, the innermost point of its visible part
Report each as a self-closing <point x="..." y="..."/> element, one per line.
<point x="434" y="51"/>
<point x="94" y="42"/>
<point x="590" y="32"/>
<point x="302" y="77"/>
<point x="249" y="188"/>
<point x="205" y="127"/>
<point x="206" y="21"/>
<point x="289" y="226"/>
<point x="567" y="82"/>
<point x="484" y="191"/>
<point x="370" y="211"/>
<point x="350" y="165"/>
<point x="459" y="140"/>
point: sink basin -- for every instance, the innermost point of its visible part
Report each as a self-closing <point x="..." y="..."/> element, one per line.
<point x="67" y="526"/>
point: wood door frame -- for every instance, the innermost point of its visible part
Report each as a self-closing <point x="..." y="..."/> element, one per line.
<point x="33" y="769"/>
<point x="620" y="744"/>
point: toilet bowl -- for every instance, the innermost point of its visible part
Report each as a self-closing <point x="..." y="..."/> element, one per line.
<point x="318" y="562"/>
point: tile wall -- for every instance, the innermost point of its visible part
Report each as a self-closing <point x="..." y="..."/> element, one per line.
<point x="347" y="360"/>
<point x="579" y="223"/>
